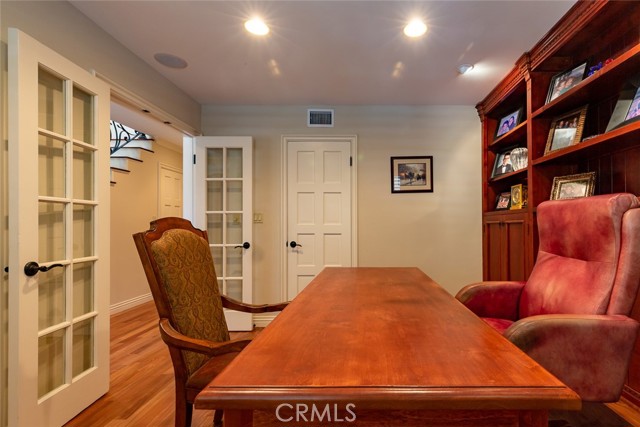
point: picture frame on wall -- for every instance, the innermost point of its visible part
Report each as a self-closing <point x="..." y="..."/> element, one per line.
<point x="508" y="122"/>
<point x="566" y="130"/>
<point x="412" y="174"/>
<point x="503" y="201"/>
<point x="562" y="82"/>
<point x="573" y="186"/>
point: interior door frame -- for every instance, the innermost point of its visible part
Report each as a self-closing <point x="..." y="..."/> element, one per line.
<point x="353" y="143"/>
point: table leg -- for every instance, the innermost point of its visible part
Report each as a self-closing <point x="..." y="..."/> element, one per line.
<point x="238" y="418"/>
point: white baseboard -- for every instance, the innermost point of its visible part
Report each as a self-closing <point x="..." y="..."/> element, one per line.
<point x="263" y="319"/>
<point x="130" y="303"/>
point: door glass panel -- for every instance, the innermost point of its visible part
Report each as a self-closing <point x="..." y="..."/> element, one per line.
<point x="50" y="232"/>
<point x="51" y="111"/>
<point x="214" y="228"/>
<point x="214" y="162"/>
<point x="234" y="162"/>
<point x="234" y="289"/>
<point x="216" y="253"/>
<point x="51" y="297"/>
<point x="50" y="362"/>
<point x="214" y="195"/>
<point x="51" y="178"/>
<point x="82" y="116"/>
<point x="82" y="288"/>
<point x="82" y="173"/>
<point x="82" y="231"/>
<point x="234" y="262"/>
<point x="82" y="354"/>
<point x="234" y="229"/>
<point x="234" y="195"/>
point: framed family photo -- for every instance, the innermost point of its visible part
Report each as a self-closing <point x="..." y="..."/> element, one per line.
<point x="573" y="186"/>
<point x="508" y="122"/>
<point x="412" y="174"/>
<point x="562" y="82"/>
<point x="502" y="163"/>
<point x="566" y="130"/>
<point x="504" y="201"/>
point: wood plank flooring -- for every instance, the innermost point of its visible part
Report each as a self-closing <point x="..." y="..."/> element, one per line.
<point x="142" y="393"/>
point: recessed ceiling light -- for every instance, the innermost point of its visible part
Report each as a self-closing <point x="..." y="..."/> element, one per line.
<point x="257" y="26"/>
<point x="465" y="68"/>
<point x="170" y="61"/>
<point x="415" y="28"/>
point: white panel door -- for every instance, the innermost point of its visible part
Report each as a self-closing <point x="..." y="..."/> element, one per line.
<point x="169" y="191"/>
<point x="59" y="221"/>
<point x="319" y="184"/>
<point x="223" y="205"/>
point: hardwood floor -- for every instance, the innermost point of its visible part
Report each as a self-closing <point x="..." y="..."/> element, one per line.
<point x="142" y="394"/>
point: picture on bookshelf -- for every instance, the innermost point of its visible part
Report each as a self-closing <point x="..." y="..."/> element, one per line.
<point x="627" y="108"/>
<point x="634" y="109"/>
<point x="518" y="196"/>
<point x="573" y="186"/>
<point x="562" y="82"/>
<point x="566" y="130"/>
<point x="504" y="201"/>
<point x="502" y="164"/>
<point x="412" y="174"/>
<point x="508" y="122"/>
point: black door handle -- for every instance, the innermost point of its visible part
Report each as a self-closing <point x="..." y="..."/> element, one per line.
<point x="293" y="244"/>
<point x="32" y="268"/>
<point x="245" y="245"/>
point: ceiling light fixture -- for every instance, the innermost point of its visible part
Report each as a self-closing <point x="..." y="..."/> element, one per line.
<point x="415" y="28"/>
<point x="256" y="26"/>
<point x="465" y="68"/>
<point x="171" y="61"/>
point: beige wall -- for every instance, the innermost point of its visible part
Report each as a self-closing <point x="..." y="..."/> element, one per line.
<point x="439" y="232"/>
<point x="134" y="203"/>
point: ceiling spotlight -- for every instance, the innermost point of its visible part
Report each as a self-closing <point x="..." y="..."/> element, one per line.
<point x="465" y="68"/>
<point x="256" y="26"/>
<point x="170" y="61"/>
<point x="415" y="28"/>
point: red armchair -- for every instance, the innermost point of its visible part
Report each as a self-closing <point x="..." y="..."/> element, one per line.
<point x="571" y="316"/>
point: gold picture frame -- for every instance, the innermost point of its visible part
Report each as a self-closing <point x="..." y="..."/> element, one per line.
<point x="518" y="196"/>
<point x="566" y="130"/>
<point x="573" y="186"/>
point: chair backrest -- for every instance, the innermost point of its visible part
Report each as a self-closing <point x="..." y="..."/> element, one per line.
<point x="179" y="267"/>
<point x="588" y="259"/>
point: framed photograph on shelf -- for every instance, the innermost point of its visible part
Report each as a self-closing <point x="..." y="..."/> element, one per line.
<point x="518" y="196"/>
<point x="562" y="82"/>
<point x="627" y="108"/>
<point x="508" y="122"/>
<point x="502" y="163"/>
<point x="412" y="174"/>
<point x="504" y="201"/>
<point x="566" y="130"/>
<point x="573" y="186"/>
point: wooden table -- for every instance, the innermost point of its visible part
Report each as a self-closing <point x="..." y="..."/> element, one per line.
<point x="364" y="341"/>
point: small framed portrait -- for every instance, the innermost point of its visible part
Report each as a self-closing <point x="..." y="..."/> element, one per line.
<point x="508" y="122"/>
<point x="562" y="82"/>
<point x="504" y="201"/>
<point x="627" y="108"/>
<point x="634" y="108"/>
<point x="413" y="174"/>
<point x="573" y="186"/>
<point x="518" y="196"/>
<point x="502" y="164"/>
<point x="566" y="130"/>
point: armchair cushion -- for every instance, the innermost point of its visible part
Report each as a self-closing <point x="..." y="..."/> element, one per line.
<point x="495" y="300"/>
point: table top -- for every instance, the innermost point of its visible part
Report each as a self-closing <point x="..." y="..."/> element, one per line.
<point x="383" y="338"/>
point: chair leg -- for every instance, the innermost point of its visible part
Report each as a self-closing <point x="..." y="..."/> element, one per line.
<point x="217" y="418"/>
<point x="184" y="409"/>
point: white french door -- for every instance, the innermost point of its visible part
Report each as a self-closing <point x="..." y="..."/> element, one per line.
<point x="59" y="221"/>
<point x="320" y="179"/>
<point x="223" y="206"/>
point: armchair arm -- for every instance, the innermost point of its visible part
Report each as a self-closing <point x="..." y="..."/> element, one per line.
<point x="492" y="299"/>
<point x="176" y="339"/>
<point x="233" y="304"/>
<point x="589" y="353"/>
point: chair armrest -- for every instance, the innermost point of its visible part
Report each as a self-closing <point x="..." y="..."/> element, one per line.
<point x="589" y="353"/>
<point x="176" y="339"/>
<point x="233" y="304"/>
<point x="498" y="300"/>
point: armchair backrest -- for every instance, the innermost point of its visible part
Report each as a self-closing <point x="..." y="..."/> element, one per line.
<point x="588" y="259"/>
<point x="179" y="267"/>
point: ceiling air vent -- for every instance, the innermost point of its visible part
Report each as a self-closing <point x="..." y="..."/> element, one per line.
<point x="320" y="118"/>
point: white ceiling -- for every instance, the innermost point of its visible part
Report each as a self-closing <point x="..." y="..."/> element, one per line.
<point x="330" y="52"/>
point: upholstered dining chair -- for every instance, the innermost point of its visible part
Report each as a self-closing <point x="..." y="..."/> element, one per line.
<point x="571" y="315"/>
<point x="177" y="261"/>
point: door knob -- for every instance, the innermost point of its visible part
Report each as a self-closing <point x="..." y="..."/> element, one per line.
<point x="32" y="268"/>
<point x="245" y="245"/>
<point x="293" y="244"/>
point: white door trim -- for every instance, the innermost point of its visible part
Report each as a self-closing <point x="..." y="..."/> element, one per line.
<point x="353" y="142"/>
